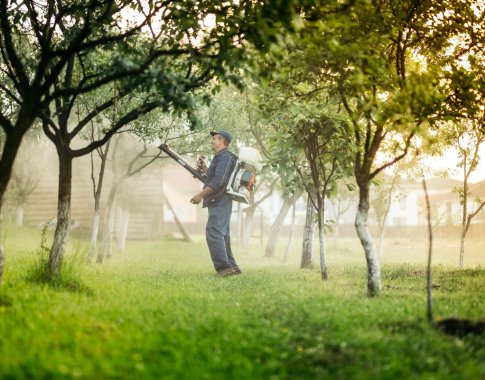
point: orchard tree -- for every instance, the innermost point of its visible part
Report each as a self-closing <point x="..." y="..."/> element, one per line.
<point x="308" y="147"/>
<point x="261" y="127"/>
<point x="467" y="136"/>
<point x="324" y="161"/>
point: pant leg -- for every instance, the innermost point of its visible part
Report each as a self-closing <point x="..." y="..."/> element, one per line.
<point x="230" y="256"/>
<point x="227" y="241"/>
<point x="216" y="230"/>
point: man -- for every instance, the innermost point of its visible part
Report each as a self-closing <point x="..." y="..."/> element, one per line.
<point x="219" y="204"/>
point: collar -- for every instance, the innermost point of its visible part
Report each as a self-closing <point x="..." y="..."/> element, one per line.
<point x="222" y="150"/>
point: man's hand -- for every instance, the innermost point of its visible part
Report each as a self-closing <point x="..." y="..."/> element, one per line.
<point x="201" y="165"/>
<point x="197" y="198"/>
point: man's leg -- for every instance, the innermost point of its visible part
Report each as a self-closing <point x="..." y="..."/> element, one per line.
<point x="217" y="225"/>
<point x="230" y="256"/>
<point x="227" y="240"/>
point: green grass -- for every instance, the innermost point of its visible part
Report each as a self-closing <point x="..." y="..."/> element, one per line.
<point x="157" y="311"/>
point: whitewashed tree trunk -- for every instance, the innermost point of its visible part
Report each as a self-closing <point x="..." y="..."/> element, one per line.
<point x="372" y="258"/>
<point x="381" y="244"/>
<point x="97" y="198"/>
<point x="462" y="249"/>
<point x="121" y="238"/>
<point x="118" y="220"/>
<point x="277" y="224"/>
<point x="464" y="206"/>
<point x="321" y="239"/>
<point x="94" y="236"/>
<point x="292" y="233"/>
<point x="308" y="236"/>
<point x="19" y="216"/>
<point x="110" y="234"/>
<point x="107" y="228"/>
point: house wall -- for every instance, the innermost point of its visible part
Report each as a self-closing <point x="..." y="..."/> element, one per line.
<point x="143" y="196"/>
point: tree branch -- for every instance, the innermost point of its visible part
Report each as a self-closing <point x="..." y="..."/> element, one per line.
<point x="127" y="118"/>
<point x="11" y="54"/>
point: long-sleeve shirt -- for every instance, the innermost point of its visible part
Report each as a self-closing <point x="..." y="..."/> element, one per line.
<point x="218" y="173"/>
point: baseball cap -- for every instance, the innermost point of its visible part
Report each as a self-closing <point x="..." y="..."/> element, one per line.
<point x="227" y="136"/>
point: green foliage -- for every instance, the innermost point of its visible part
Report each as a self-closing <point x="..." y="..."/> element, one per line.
<point x="158" y="311"/>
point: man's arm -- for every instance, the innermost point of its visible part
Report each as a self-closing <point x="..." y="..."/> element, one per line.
<point x="197" y="198"/>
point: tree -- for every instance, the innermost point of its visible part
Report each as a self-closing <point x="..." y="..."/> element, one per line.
<point x="327" y="156"/>
<point x="309" y="147"/>
<point x="97" y="190"/>
<point x="467" y="136"/>
<point x="135" y="165"/>
<point x="308" y="231"/>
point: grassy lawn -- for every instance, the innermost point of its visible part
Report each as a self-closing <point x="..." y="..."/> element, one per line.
<point x="157" y="311"/>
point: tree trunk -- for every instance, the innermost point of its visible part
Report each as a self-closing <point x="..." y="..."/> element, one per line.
<point x="276" y="227"/>
<point x="9" y="152"/>
<point x="308" y="233"/>
<point x="97" y="198"/>
<point x="63" y="216"/>
<point x="106" y="226"/>
<point x="292" y="233"/>
<point x="121" y="237"/>
<point x="2" y="259"/>
<point x="10" y="149"/>
<point x="381" y="242"/>
<point x="429" y="299"/>
<point x="111" y="231"/>
<point x="373" y="265"/>
<point x="19" y="216"/>
<point x="13" y="139"/>
<point x="94" y="235"/>
<point x="321" y="239"/>
<point x="464" y="214"/>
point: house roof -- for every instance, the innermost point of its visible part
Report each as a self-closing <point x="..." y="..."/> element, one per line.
<point x="478" y="189"/>
<point x="432" y="184"/>
<point x="442" y="183"/>
<point x="448" y="195"/>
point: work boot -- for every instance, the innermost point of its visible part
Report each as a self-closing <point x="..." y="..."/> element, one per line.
<point x="238" y="271"/>
<point x="226" y="272"/>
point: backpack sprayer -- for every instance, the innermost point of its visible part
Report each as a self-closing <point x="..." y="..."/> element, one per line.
<point x="241" y="181"/>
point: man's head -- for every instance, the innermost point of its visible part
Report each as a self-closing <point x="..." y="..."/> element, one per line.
<point x="220" y="139"/>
